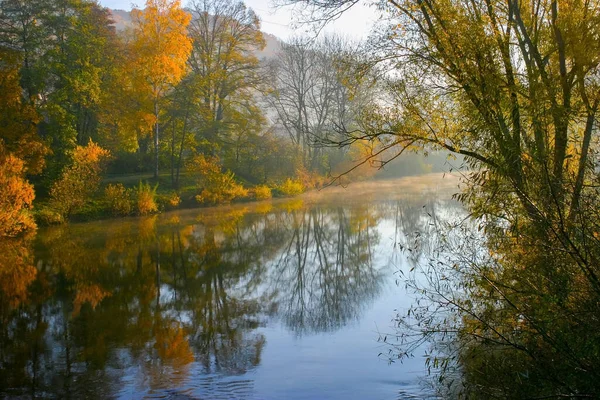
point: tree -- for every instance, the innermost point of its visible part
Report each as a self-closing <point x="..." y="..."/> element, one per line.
<point x="310" y="97"/>
<point x="18" y="119"/>
<point x="159" y="50"/>
<point x="77" y="67"/>
<point x="512" y="86"/>
<point x="16" y="196"/>
<point x="62" y="47"/>
<point x="223" y="64"/>
<point x="21" y="29"/>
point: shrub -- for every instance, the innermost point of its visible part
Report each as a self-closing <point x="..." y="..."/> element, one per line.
<point x="145" y="198"/>
<point x="291" y="187"/>
<point x="46" y="216"/>
<point x="309" y="179"/>
<point x="218" y="186"/>
<point x="16" y="196"/>
<point x="118" y="199"/>
<point x="80" y="180"/>
<point x="174" y="200"/>
<point x="262" y="192"/>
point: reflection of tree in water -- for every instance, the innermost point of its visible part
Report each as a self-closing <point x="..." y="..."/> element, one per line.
<point x="173" y="298"/>
<point x="416" y="226"/>
<point x="325" y="275"/>
<point x="224" y="310"/>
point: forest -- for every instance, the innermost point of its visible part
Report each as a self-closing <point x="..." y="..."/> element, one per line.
<point x="178" y="108"/>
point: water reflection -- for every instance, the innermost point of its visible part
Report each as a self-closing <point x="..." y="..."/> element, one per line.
<point x="147" y="303"/>
<point x="325" y="274"/>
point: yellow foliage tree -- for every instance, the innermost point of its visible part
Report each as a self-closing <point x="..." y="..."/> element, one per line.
<point x="159" y="52"/>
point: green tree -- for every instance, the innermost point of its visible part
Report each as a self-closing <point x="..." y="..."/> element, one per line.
<point x="18" y="118"/>
<point x="223" y="64"/>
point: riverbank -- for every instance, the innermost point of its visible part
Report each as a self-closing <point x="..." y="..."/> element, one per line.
<point x="168" y="200"/>
<point x="141" y="195"/>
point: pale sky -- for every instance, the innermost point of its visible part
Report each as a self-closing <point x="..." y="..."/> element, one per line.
<point x="355" y="23"/>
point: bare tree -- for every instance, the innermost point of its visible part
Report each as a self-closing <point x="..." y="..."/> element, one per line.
<point x="311" y="99"/>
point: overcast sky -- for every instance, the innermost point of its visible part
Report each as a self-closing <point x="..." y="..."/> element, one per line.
<point x="355" y="23"/>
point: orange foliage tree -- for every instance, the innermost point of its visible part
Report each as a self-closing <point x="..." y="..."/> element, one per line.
<point x="16" y="195"/>
<point x="159" y="52"/>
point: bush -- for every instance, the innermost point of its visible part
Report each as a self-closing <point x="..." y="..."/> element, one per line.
<point x="80" y="180"/>
<point x="118" y="199"/>
<point x="291" y="187"/>
<point x="16" y="195"/>
<point x="218" y="186"/>
<point x="145" y="198"/>
<point x="262" y="192"/>
<point x="309" y="179"/>
<point x="46" y="216"/>
<point x="174" y="200"/>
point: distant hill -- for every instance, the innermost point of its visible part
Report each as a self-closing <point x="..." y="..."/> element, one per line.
<point x="122" y="19"/>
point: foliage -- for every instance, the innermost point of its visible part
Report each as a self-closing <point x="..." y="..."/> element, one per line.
<point x="308" y="179"/>
<point x="217" y="186"/>
<point x="80" y="180"/>
<point x="18" y="119"/>
<point x="159" y="50"/>
<point x="16" y="196"/>
<point x="291" y="187"/>
<point x="45" y="216"/>
<point x="262" y="192"/>
<point x="118" y="199"/>
<point x="145" y="198"/>
<point x="513" y="87"/>
<point x="174" y="200"/>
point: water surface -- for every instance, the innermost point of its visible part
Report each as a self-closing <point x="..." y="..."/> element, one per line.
<point x="284" y="299"/>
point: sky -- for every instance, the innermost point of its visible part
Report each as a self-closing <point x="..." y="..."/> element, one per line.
<point x="355" y="23"/>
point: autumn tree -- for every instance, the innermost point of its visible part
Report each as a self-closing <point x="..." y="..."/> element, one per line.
<point x="18" y="118"/>
<point x="216" y="103"/>
<point x="21" y="150"/>
<point x="16" y="196"/>
<point x="80" y="180"/>
<point x="512" y="86"/>
<point x="159" y="50"/>
<point x="62" y="46"/>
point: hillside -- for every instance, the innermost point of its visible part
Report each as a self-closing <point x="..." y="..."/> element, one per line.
<point x="122" y="20"/>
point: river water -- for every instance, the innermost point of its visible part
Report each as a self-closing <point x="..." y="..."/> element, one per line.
<point x="283" y="299"/>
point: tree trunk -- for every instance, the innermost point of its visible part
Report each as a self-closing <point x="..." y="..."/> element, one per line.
<point x="173" y="155"/>
<point x="156" y="139"/>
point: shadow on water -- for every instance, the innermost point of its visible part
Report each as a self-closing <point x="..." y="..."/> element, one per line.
<point x="139" y="306"/>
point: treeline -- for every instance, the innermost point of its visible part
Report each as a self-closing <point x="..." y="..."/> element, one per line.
<point x="179" y="94"/>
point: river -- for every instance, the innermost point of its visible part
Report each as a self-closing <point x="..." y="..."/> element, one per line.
<point x="283" y="299"/>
